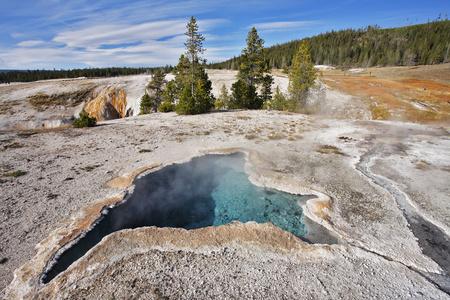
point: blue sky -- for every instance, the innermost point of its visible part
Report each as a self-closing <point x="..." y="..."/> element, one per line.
<point x="66" y="34"/>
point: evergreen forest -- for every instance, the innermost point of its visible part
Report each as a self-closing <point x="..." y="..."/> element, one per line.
<point x="423" y="44"/>
<point x="33" y="75"/>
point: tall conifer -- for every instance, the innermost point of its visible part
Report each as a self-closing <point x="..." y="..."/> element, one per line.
<point x="194" y="48"/>
<point x="301" y="78"/>
<point x="192" y="83"/>
<point x="252" y="67"/>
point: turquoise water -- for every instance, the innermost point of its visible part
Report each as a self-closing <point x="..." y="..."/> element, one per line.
<point x="211" y="190"/>
<point x="237" y="199"/>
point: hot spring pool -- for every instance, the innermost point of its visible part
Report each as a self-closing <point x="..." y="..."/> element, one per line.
<point x="211" y="190"/>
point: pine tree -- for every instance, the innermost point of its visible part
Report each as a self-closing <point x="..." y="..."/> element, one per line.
<point x="244" y="96"/>
<point x="84" y="120"/>
<point x="156" y="87"/>
<point x="224" y="98"/>
<point x="252" y="65"/>
<point x="370" y="46"/>
<point x="278" y="101"/>
<point x="191" y="76"/>
<point x="301" y="78"/>
<point x="251" y="73"/>
<point x="266" y="91"/>
<point x="146" y="104"/>
<point x="194" y="48"/>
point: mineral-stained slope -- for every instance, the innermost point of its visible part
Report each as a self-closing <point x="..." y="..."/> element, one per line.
<point x="111" y="103"/>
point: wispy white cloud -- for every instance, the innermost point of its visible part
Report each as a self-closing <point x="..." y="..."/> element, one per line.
<point x="92" y="37"/>
<point x="146" y="54"/>
<point x="30" y="43"/>
<point x="283" y="26"/>
<point x="110" y="33"/>
<point x="99" y="33"/>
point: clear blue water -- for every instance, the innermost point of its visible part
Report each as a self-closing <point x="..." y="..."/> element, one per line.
<point x="237" y="199"/>
<point x="211" y="190"/>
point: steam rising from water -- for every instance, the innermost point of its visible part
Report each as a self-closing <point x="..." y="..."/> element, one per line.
<point x="207" y="191"/>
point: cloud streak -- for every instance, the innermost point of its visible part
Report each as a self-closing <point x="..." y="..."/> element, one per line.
<point x="30" y="43"/>
<point x="100" y="33"/>
<point x="283" y="26"/>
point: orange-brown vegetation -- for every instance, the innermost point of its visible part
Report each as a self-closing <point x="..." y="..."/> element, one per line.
<point x="416" y="94"/>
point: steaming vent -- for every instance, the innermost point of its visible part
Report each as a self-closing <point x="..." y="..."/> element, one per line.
<point x="211" y="190"/>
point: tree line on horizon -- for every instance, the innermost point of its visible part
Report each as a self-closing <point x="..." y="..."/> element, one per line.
<point x="423" y="44"/>
<point x="34" y="75"/>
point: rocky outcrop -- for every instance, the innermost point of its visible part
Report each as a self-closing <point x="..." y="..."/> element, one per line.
<point x="110" y="104"/>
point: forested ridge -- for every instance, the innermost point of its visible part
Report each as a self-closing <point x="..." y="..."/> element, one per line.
<point x="33" y="75"/>
<point x="422" y="44"/>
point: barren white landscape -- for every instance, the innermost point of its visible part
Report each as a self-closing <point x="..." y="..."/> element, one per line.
<point x="379" y="187"/>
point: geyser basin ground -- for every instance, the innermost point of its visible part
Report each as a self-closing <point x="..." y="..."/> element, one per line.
<point x="211" y="190"/>
<point x="34" y="227"/>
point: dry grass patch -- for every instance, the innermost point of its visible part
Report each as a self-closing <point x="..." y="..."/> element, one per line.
<point x="276" y="136"/>
<point x="70" y="99"/>
<point x="145" y="150"/>
<point x="15" y="174"/>
<point x="379" y="112"/>
<point x="295" y="138"/>
<point x="14" y="145"/>
<point x="423" y="165"/>
<point x="89" y="168"/>
<point x="328" y="149"/>
<point x="6" y="108"/>
<point x="417" y="95"/>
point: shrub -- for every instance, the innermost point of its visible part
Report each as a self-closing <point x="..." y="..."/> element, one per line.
<point x="145" y="150"/>
<point x="84" y="120"/>
<point x="15" y="174"/>
<point x="379" y="112"/>
<point x="166" y="106"/>
<point x="223" y="100"/>
<point x="146" y="104"/>
<point x="199" y="102"/>
<point x="244" y="96"/>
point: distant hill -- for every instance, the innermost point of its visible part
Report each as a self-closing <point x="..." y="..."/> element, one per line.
<point x="423" y="44"/>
